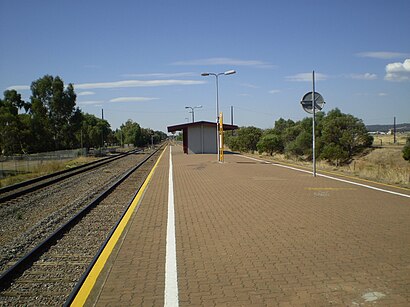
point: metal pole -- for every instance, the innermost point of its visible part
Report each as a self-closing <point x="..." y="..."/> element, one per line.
<point x="232" y="117"/>
<point x="229" y="72"/>
<point x="313" y="125"/>
<point x="193" y="115"/>
<point x="217" y="117"/>
<point x="81" y="137"/>
<point x="102" y="130"/>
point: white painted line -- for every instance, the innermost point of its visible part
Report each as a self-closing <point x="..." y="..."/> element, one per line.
<point x="171" y="278"/>
<point x="365" y="186"/>
<point x="330" y="177"/>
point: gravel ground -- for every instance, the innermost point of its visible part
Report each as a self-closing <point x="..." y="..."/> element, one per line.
<point x="28" y="220"/>
<point x="50" y="280"/>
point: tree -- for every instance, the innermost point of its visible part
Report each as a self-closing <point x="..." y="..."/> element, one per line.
<point x="334" y="153"/>
<point x="246" y="139"/>
<point x="159" y="136"/>
<point x="12" y="129"/>
<point x="131" y="132"/>
<point x="93" y="130"/>
<point x="281" y="125"/>
<point x="270" y="143"/>
<point x="406" y="150"/>
<point x="347" y="132"/>
<point x="53" y="109"/>
<point x="301" y="146"/>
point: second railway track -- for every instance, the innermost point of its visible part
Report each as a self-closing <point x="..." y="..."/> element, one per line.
<point x="49" y="279"/>
<point x="22" y="188"/>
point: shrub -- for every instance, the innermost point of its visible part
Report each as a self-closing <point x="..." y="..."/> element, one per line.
<point x="406" y="150"/>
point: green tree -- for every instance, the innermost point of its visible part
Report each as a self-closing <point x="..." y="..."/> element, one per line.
<point x="334" y="153"/>
<point x="159" y="136"/>
<point x="281" y="125"/>
<point x="246" y="139"/>
<point x="301" y="146"/>
<point x="347" y="132"/>
<point x="42" y="137"/>
<point x="131" y="132"/>
<point x="270" y="143"/>
<point x="406" y="150"/>
<point x="10" y="124"/>
<point x="53" y="110"/>
<point x="93" y="130"/>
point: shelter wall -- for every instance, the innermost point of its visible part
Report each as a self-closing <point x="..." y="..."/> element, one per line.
<point x="202" y="139"/>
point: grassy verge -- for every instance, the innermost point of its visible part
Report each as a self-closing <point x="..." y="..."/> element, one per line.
<point x="44" y="169"/>
<point x="384" y="165"/>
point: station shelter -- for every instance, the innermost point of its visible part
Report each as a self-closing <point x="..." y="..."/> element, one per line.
<point x="199" y="137"/>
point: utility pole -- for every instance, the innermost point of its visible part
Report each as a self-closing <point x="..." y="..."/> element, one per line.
<point x="394" y="130"/>
<point x="102" y="129"/>
<point x="313" y="124"/>
<point x="232" y="118"/>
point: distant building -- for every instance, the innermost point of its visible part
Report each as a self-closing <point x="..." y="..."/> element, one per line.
<point x="199" y="137"/>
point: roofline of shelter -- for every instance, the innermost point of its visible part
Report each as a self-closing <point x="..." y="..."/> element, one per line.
<point x="200" y="123"/>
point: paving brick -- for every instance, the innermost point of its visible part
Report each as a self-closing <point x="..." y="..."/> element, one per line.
<point x="255" y="234"/>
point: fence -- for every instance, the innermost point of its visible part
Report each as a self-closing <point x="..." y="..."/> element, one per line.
<point x="12" y="165"/>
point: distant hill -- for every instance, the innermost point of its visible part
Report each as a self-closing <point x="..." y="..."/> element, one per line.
<point x="386" y="128"/>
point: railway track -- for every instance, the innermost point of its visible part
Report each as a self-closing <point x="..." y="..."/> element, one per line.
<point x="49" y="272"/>
<point x="22" y="188"/>
<point x="27" y="218"/>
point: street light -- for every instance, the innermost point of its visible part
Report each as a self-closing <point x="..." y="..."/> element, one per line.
<point x="192" y="111"/>
<point x="205" y="74"/>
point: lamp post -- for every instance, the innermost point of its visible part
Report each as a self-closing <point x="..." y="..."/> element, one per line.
<point x="205" y="74"/>
<point x="192" y="111"/>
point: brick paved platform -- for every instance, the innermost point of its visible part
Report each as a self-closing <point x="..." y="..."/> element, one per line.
<point x="254" y="234"/>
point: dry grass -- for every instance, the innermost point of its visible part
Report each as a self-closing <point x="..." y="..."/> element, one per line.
<point x="385" y="165"/>
<point x="44" y="169"/>
<point x="388" y="140"/>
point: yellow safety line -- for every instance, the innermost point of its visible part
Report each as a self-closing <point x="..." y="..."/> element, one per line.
<point x="337" y="174"/>
<point x="91" y="279"/>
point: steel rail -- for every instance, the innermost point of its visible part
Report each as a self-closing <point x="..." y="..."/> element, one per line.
<point x="65" y="174"/>
<point x="19" y="267"/>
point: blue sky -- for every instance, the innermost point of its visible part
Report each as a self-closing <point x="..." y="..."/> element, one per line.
<point x="142" y="60"/>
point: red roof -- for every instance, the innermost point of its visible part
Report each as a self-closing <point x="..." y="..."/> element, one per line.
<point x="201" y="123"/>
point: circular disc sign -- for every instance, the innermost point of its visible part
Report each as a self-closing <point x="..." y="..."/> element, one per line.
<point x="307" y="102"/>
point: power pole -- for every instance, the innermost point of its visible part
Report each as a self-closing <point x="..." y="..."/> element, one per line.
<point x="232" y="117"/>
<point x="102" y="129"/>
<point x="394" y="130"/>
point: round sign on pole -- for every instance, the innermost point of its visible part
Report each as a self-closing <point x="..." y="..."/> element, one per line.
<point x="307" y="102"/>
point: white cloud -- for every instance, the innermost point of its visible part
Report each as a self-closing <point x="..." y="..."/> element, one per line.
<point x="307" y="77"/>
<point x="85" y="93"/>
<point x="382" y="55"/>
<point x="366" y="76"/>
<point x="226" y="61"/>
<point x="274" y="91"/>
<point x="249" y="85"/>
<point x="91" y="102"/>
<point x="121" y="84"/>
<point x="136" y="83"/>
<point x="382" y="94"/>
<point x="19" y="87"/>
<point x="161" y="75"/>
<point x="132" y="99"/>
<point x="398" y="71"/>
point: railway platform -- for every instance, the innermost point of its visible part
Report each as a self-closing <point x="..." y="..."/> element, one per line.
<point x="250" y="233"/>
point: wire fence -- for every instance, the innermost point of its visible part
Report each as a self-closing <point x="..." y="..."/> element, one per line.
<point x="18" y="164"/>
